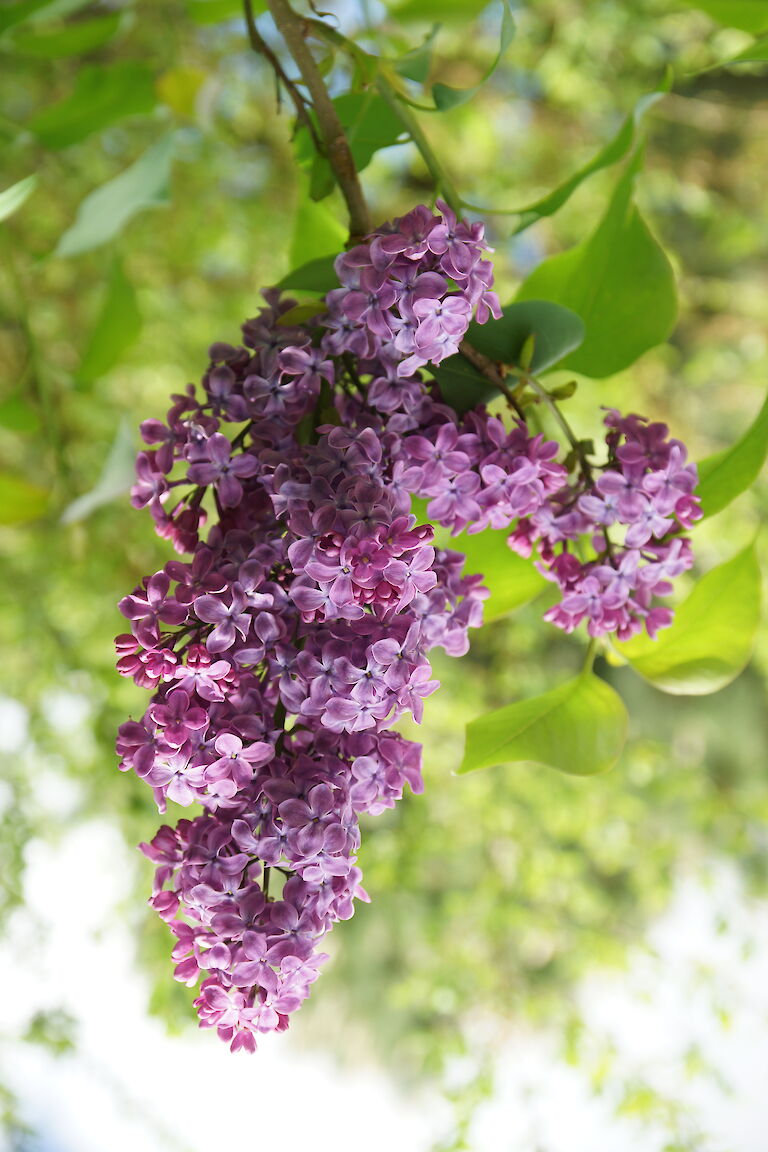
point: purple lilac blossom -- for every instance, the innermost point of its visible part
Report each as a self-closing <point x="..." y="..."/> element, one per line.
<point x="280" y="655"/>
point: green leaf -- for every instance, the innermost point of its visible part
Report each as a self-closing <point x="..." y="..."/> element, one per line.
<point x="727" y="474"/>
<point x="579" y="728"/>
<point x="20" y="501"/>
<point x="11" y="14"/>
<point x="314" y="276"/>
<point x="619" y="281"/>
<point x="13" y="198"/>
<point x="511" y="580"/>
<point x="101" y="96"/>
<point x="70" y="40"/>
<point x="446" y="11"/>
<point x="215" y="11"/>
<point x="117" y="326"/>
<point x="116" y="478"/>
<point x="446" y="97"/>
<point x="557" y="331"/>
<point x="316" y="231"/>
<point x="712" y="636"/>
<point x="370" y="124"/>
<point x="749" y="15"/>
<point x="106" y="211"/>
<point x="615" y="150"/>
<point x="416" y="64"/>
<point x="757" y="52"/>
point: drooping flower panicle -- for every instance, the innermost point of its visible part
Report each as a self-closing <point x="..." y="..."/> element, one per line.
<point x="280" y="655"/>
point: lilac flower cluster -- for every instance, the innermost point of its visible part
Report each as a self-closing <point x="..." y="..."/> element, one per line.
<point x="409" y="293"/>
<point x="627" y="522"/>
<point x="282" y="652"/>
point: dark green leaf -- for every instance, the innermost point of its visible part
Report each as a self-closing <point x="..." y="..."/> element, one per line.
<point x="314" y="276"/>
<point x="20" y="501"/>
<point x="115" y="480"/>
<point x="749" y="15"/>
<point x="70" y="40"/>
<point x="101" y="96"/>
<point x="615" y="150"/>
<point x="579" y="728"/>
<point x="106" y="211"/>
<point x="727" y="474"/>
<point x="446" y="97"/>
<point x="557" y="331"/>
<point x="117" y="326"/>
<point x="619" y="281"/>
<point x="12" y="198"/>
<point x="712" y="636"/>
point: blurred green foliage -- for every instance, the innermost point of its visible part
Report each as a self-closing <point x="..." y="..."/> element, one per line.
<point x="153" y="191"/>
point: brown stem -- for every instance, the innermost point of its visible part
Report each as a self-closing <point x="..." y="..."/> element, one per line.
<point x="291" y="28"/>
<point x="491" y="372"/>
<point x="259" y="44"/>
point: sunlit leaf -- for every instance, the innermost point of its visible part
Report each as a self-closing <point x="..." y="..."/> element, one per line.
<point x="712" y="636"/>
<point x="179" y="89"/>
<point x="12" y="198"/>
<point x="215" y="11"/>
<point x="749" y="15"/>
<point x="446" y="11"/>
<point x="615" y="150"/>
<point x="70" y="40"/>
<point x="757" y="52"/>
<point x="316" y="231"/>
<point x="314" y="276"/>
<point x="106" y="211"/>
<point x="557" y="331"/>
<point x="619" y="281"/>
<point x="446" y="97"/>
<point x="727" y="474"/>
<point x="116" y="328"/>
<point x="20" y="501"/>
<point x="579" y="728"/>
<point x="116" y="478"/>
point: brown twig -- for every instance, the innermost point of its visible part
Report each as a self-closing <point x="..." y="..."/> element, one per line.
<point x="259" y="44"/>
<point x="336" y="146"/>
<point x="491" y="372"/>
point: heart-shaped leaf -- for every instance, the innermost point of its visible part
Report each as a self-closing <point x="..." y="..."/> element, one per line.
<point x="446" y="97"/>
<point x="712" y="636"/>
<point x="579" y="728"/>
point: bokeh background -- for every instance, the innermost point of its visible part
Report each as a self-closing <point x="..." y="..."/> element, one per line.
<point x="548" y="963"/>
